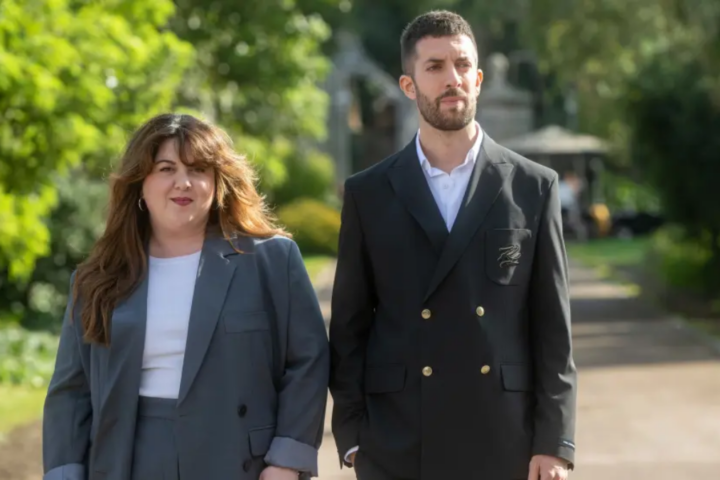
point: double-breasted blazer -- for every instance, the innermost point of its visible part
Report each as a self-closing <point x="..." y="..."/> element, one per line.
<point x="254" y="382"/>
<point x="451" y="352"/>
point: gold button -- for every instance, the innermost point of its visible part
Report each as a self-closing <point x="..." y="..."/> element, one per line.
<point x="480" y="311"/>
<point x="485" y="369"/>
<point x="426" y="314"/>
<point x="427" y="371"/>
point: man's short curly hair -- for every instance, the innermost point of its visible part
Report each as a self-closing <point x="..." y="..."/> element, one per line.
<point x="437" y="23"/>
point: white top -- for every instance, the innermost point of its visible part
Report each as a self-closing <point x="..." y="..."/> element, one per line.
<point x="170" y="294"/>
<point x="449" y="188"/>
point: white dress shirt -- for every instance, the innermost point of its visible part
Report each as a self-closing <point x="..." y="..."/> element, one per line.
<point x="448" y="189"/>
<point x="170" y="294"/>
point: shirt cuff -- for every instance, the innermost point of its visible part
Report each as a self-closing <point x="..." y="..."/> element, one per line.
<point x="349" y="452"/>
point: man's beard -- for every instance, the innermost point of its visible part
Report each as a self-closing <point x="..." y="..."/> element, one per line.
<point x="452" y="119"/>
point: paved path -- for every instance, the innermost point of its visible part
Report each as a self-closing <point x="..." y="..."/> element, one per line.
<point x="649" y="391"/>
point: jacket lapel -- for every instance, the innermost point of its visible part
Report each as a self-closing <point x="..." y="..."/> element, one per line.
<point x="487" y="181"/>
<point x="215" y="272"/>
<point x="119" y="392"/>
<point x="127" y="343"/>
<point x="411" y="187"/>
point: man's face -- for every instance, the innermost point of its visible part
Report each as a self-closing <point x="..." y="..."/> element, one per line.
<point x="445" y="82"/>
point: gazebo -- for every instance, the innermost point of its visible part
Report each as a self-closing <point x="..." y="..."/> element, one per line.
<point x="568" y="152"/>
<point x="554" y="140"/>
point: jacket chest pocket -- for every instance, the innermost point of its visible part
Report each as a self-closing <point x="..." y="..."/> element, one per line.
<point x="508" y="255"/>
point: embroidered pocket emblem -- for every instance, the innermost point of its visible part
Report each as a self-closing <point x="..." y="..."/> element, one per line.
<point x="509" y="255"/>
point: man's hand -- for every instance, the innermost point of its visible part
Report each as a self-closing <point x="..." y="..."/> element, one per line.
<point x="351" y="458"/>
<point x="278" y="473"/>
<point x="545" y="467"/>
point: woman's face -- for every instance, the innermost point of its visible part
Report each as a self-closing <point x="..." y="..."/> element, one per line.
<point x="178" y="197"/>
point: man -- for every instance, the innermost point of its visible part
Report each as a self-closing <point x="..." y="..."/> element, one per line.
<point x="450" y="333"/>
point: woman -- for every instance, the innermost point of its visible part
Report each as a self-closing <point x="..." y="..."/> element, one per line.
<point x="193" y="346"/>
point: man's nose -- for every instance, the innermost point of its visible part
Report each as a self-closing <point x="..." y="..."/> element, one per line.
<point x="454" y="79"/>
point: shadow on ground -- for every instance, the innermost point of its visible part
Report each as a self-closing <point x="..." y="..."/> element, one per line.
<point x="612" y="326"/>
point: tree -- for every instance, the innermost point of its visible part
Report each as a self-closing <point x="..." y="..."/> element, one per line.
<point x="76" y="221"/>
<point x="258" y="75"/>
<point x="598" y="46"/>
<point x="674" y="116"/>
<point x="380" y="23"/>
<point x="76" y="76"/>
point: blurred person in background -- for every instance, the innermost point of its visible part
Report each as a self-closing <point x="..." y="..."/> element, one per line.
<point x="193" y="345"/>
<point x="450" y="336"/>
<point x="569" y="190"/>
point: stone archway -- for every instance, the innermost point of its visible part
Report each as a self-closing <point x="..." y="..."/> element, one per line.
<point x="356" y="85"/>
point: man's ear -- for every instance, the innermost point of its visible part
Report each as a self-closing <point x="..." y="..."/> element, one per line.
<point x="407" y="85"/>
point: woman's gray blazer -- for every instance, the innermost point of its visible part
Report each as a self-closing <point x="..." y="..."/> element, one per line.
<point x="254" y="380"/>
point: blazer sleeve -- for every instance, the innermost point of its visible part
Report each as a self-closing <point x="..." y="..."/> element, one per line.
<point x="67" y="415"/>
<point x="353" y="310"/>
<point x="303" y="385"/>
<point x="555" y="373"/>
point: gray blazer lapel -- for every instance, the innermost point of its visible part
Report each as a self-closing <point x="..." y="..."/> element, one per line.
<point x="215" y="273"/>
<point x="127" y="337"/>
<point x="122" y="381"/>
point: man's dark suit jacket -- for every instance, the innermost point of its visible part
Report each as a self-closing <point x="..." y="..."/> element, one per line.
<point x="451" y="352"/>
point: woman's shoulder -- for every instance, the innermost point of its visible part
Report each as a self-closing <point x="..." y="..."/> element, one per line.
<point x="277" y="247"/>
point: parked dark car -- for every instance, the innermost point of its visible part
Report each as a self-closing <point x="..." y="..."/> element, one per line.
<point x="628" y="223"/>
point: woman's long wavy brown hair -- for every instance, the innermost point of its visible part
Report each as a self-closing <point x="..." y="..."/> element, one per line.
<point x="117" y="263"/>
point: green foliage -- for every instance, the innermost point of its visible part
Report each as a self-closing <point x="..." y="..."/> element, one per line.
<point x="380" y="23"/>
<point x="622" y="192"/>
<point x="314" y="225"/>
<point x="75" y="77"/>
<point x="598" y="46"/>
<point x="680" y="261"/>
<point x="26" y="358"/>
<point x="310" y="177"/>
<point x="674" y="121"/>
<point x="257" y="75"/>
<point x="674" y="115"/>
<point x="610" y="252"/>
<point x="74" y="224"/>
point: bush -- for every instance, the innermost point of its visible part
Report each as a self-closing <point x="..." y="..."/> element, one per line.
<point x="314" y="225"/>
<point x="680" y="261"/>
<point x="26" y="358"/>
<point x="312" y="176"/>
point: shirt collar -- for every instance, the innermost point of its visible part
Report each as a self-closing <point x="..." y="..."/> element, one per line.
<point x="469" y="158"/>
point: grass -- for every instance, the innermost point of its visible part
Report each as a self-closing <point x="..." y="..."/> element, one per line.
<point x="315" y="264"/>
<point x="19" y="405"/>
<point x="609" y="252"/>
<point x="613" y="259"/>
